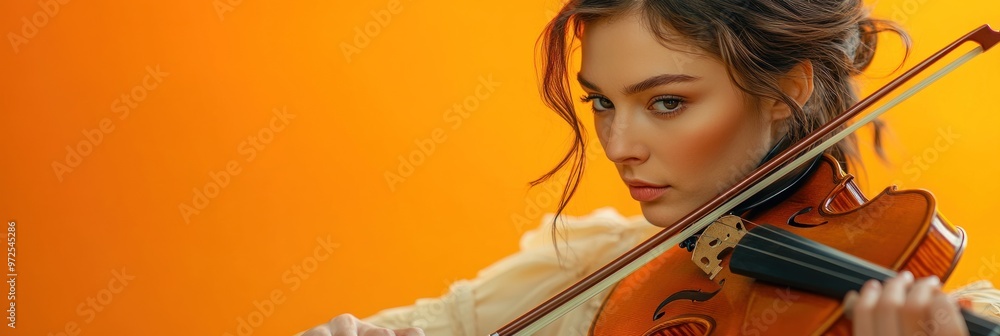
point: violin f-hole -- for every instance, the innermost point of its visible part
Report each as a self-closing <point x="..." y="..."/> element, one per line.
<point x="688" y="294"/>
<point x="801" y="219"/>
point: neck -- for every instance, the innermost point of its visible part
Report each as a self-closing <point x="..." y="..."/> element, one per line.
<point x="780" y="188"/>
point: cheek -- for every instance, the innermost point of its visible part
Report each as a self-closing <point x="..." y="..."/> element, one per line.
<point x="717" y="145"/>
<point x="602" y="127"/>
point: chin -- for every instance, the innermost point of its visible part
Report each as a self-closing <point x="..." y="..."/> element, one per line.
<point x="660" y="214"/>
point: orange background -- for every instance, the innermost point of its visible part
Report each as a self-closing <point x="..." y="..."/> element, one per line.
<point x="322" y="173"/>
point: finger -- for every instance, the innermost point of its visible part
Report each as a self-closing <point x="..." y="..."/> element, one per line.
<point x="944" y="313"/>
<point x="890" y="302"/>
<point x="376" y="332"/>
<point x="863" y="307"/>
<point x="368" y="329"/>
<point x="409" y="332"/>
<point x="344" y="325"/>
<point x="915" y="315"/>
<point x="849" y="300"/>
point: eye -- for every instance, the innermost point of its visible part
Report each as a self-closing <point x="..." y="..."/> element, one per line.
<point x="599" y="103"/>
<point x="667" y="104"/>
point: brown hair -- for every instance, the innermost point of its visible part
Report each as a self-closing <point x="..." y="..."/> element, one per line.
<point x="759" y="41"/>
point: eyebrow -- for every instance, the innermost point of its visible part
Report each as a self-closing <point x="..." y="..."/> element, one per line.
<point x="650" y="82"/>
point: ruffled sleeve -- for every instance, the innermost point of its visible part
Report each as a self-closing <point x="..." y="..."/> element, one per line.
<point x="979" y="297"/>
<point x="508" y="288"/>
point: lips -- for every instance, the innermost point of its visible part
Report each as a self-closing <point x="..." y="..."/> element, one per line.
<point x="645" y="191"/>
<point x="646" y="194"/>
<point x="637" y="183"/>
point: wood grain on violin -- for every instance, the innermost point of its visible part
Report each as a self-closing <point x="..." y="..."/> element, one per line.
<point x="673" y="296"/>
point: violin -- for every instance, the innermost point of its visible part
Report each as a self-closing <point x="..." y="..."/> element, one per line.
<point x="768" y="254"/>
<point x="779" y="267"/>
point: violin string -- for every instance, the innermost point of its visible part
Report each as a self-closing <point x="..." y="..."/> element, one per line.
<point x="817" y="268"/>
<point x="795" y="248"/>
<point x="814" y="267"/>
<point x="834" y="261"/>
<point x="844" y="277"/>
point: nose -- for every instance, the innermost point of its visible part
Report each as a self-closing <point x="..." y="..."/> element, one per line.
<point x="622" y="139"/>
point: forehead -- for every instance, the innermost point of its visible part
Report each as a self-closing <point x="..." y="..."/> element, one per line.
<point x="624" y="46"/>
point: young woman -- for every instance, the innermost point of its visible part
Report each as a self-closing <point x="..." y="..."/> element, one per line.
<point x="687" y="97"/>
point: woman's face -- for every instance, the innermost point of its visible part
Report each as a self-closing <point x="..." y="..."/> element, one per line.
<point x="669" y="117"/>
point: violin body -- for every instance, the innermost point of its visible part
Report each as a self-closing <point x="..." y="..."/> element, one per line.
<point x="897" y="229"/>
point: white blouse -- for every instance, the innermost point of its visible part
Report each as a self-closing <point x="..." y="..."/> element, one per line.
<point x="515" y="284"/>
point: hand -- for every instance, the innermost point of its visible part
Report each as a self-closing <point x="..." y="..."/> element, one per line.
<point x="348" y="325"/>
<point x="903" y="306"/>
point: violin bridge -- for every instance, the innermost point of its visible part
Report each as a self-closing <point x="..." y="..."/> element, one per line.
<point x="717" y="240"/>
